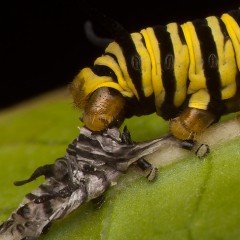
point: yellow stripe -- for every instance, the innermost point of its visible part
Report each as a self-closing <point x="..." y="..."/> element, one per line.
<point x="196" y="71"/>
<point x="108" y="61"/>
<point x="154" y="52"/>
<point x="181" y="63"/>
<point x="199" y="100"/>
<point x="115" y="86"/>
<point x="115" y="49"/>
<point x="197" y="86"/>
<point x="226" y="59"/>
<point x="88" y="82"/>
<point x="234" y="33"/>
<point x="145" y="64"/>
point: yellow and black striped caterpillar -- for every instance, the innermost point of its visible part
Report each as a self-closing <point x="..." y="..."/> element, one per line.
<point x="187" y="73"/>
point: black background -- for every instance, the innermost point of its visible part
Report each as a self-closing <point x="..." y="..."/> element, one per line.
<point x="43" y="44"/>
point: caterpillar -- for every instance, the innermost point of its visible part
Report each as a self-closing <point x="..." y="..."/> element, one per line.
<point x="93" y="162"/>
<point x="187" y="73"/>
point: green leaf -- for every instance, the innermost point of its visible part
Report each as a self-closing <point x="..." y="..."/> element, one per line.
<point x="192" y="198"/>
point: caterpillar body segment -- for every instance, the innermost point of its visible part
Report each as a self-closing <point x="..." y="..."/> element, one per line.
<point x="187" y="73"/>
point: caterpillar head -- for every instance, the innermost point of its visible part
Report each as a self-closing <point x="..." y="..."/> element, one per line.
<point x="105" y="107"/>
<point x="101" y="90"/>
<point x="102" y="106"/>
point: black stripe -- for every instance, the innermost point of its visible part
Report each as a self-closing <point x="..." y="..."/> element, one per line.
<point x="136" y="108"/>
<point x="130" y="54"/>
<point x="183" y="41"/>
<point x="210" y="65"/>
<point x="84" y="140"/>
<point x="112" y="55"/>
<point x="236" y="15"/>
<point x="223" y="30"/>
<point x="181" y="35"/>
<point x="143" y="40"/>
<point x="86" y="153"/>
<point x="113" y="74"/>
<point x="71" y="148"/>
<point x="146" y="105"/>
<point x="71" y="151"/>
<point x="85" y="149"/>
<point x="168" y="109"/>
<point x="101" y="70"/>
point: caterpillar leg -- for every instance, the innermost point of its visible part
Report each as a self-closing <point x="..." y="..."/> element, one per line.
<point x="190" y="123"/>
<point x="145" y="166"/>
<point x="201" y="150"/>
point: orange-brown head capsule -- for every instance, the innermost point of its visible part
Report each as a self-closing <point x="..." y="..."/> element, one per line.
<point x="191" y="122"/>
<point x="104" y="107"/>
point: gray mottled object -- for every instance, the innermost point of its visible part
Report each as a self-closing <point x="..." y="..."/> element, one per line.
<point x="93" y="162"/>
